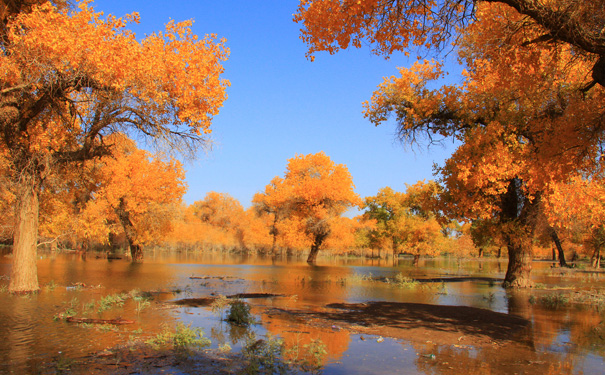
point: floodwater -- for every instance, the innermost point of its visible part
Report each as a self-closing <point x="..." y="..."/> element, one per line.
<point x="567" y="340"/>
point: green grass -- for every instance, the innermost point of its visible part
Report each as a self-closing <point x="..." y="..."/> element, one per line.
<point x="182" y="340"/>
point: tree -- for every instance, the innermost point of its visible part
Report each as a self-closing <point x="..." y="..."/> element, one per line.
<point x="222" y="211"/>
<point x="134" y="190"/>
<point x="273" y="201"/>
<point x="484" y="234"/>
<point x="404" y="221"/>
<point x="399" y="25"/>
<point x="313" y="194"/>
<point x="69" y="79"/>
<point x="385" y="209"/>
<point x="579" y="205"/>
<point x="522" y="121"/>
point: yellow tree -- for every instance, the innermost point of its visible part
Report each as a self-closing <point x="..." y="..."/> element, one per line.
<point x="135" y="191"/>
<point x="69" y="79"/>
<point x="404" y="221"/>
<point x="385" y="209"/>
<point x="521" y="115"/>
<point x="224" y="212"/>
<point x="399" y="25"/>
<point x="313" y="193"/>
<point x="579" y="205"/>
<point x="273" y="202"/>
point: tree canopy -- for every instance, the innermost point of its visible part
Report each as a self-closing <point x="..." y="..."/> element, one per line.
<point x="71" y="78"/>
<point x="313" y="193"/>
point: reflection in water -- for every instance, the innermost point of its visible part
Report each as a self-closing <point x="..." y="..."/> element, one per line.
<point x="568" y="340"/>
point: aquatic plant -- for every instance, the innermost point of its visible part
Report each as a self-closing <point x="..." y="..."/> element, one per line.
<point x="50" y="286"/>
<point x="359" y="278"/>
<point x="316" y="353"/>
<point x="490" y="297"/>
<point x="69" y="310"/>
<point x="182" y="340"/>
<point x="111" y="301"/>
<point x="239" y="313"/>
<point x="141" y="303"/>
<point x="405" y="282"/>
<point x="270" y="356"/>
<point x="219" y="305"/>
<point x="551" y="300"/>
<point x="264" y="356"/>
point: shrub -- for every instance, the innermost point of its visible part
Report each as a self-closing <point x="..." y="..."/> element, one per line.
<point x="240" y="313"/>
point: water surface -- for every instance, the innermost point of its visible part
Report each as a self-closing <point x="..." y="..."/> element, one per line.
<point x="564" y="340"/>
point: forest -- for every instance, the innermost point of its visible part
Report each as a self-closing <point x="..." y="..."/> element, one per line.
<point x="97" y="125"/>
<point x="529" y="167"/>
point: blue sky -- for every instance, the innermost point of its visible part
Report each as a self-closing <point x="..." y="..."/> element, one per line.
<point x="281" y="104"/>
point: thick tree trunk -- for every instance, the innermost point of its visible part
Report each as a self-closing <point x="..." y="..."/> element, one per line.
<point x="24" y="274"/>
<point x="317" y="241"/>
<point x="313" y="254"/>
<point x="480" y="252"/>
<point x="519" y="266"/>
<point x="136" y="252"/>
<point x="555" y="238"/>
<point x="518" y="220"/>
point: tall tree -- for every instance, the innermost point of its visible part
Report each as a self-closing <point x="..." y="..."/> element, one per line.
<point x="314" y="193"/>
<point x="520" y="116"/>
<point x="69" y="79"/>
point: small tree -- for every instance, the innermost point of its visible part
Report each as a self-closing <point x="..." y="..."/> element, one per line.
<point x="314" y="192"/>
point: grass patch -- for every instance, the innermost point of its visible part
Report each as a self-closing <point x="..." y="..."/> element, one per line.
<point x="182" y="340"/>
<point x="270" y="356"/>
<point x="551" y="300"/>
<point x="405" y="282"/>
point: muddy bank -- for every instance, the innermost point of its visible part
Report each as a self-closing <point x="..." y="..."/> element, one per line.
<point x="442" y="325"/>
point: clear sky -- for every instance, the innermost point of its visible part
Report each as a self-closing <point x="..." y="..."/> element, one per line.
<point x="281" y="104"/>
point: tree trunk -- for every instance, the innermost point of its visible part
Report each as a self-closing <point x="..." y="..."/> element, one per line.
<point x="274" y="234"/>
<point x="596" y="257"/>
<point x="519" y="266"/>
<point x="555" y="238"/>
<point x="518" y="220"/>
<point x="317" y="241"/>
<point x="416" y="261"/>
<point x="24" y="274"/>
<point x="136" y="252"/>
<point x="499" y="252"/>
<point x="313" y="254"/>
<point x="480" y="252"/>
